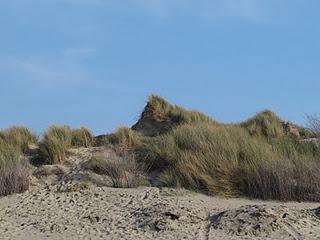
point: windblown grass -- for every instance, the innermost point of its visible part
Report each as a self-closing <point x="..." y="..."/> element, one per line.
<point x="19" y="136"/>
<point x="282" y="180"/>
<point x="263" y="157"/>
<point x="202" y="157"/>
<point x="159" y="117"/>
<point x="57" y="140"/>
<point x="82" y="137"/>
<point x="269" y="125"/>
<point x="166" y="111"/>
<point x="227" y="160"/>
<point x="125" y="140"/>
<point x="266" y="123"/>
<point x="55" y="144"/>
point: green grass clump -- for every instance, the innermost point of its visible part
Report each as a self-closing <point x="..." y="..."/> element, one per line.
<point x="82" y="137"/>
<point x="283" y="179"/>
<point x="9" y="154"/>
<point x="55" y="144"/>
<point x="57" y="140"/>
<point x="14" y="175"/>
<point x="125" y="139"/>
<point x="202" y="157"/>
<point x="266" y="123"/>
<point x="159" y="117"/>
<point x="168" y="112"/>
<point x="293" y="148"/>
<point x="2" y="135"/>
<point x="19" y="136"/>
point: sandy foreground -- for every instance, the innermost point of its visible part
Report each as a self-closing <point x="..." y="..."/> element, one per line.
<point x="54" y="210"/>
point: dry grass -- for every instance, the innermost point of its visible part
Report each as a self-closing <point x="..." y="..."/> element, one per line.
<point x="201" y="157"/>
<point x="57" y="140"/>
<point x="227" y="160"/>
<point x="124" y="140"/>
<point x="82" y="137"/>
<point x="124" y="172"/>
<point x="55" y="144"/>
<point x="14" y="180"/>
<point x="125" y="137"/>
<point x="263" y="157"/>
<point x="266" y="123"/>
<point x="281" y="180"/>
<point x="14" y="175"/>
<point x="19" y="136"/>
<point x="165" y="111"/>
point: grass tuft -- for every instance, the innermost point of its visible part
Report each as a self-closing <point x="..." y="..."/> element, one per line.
<point x="55" y="144"/>
<point x="125" y="140"/>
<point x="159" y="117"/>
<point x="176" y="114"/>
<point x="82" y="137"/>
<point x="124" y="172"/>
<point x="19" y="136"/>
<point x="57" y="140"/>
<point x="266" y="123"/>
<point x="14" y="175"/>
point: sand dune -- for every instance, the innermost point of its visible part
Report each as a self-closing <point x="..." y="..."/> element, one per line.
<point x="71" y="203"/>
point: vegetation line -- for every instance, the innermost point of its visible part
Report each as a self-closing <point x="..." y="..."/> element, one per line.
<point x="263" y="157"/>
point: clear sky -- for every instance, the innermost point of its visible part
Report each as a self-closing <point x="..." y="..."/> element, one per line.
<point x="94" y="62"/>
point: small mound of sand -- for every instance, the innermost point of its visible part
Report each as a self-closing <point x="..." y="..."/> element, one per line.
<point x="263" y="221"/>
<point x="163" y="216"/>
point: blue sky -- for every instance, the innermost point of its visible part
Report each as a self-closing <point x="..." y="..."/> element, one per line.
<point x="94" y="62"/>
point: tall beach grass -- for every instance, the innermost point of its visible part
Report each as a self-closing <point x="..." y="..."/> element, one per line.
<point x="57" y="140"/>
<point x="14" y="173"/>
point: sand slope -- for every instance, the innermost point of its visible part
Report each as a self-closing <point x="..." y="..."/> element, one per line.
<point x="150" y="213"/>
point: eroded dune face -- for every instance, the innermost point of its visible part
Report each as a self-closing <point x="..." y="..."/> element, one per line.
<point x="68" y="201"/>
<point x="151" y="123"/>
